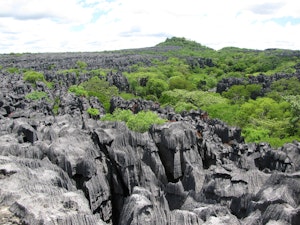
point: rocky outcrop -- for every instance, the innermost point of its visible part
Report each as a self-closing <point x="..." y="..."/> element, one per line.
<point x="135" y="105"/>
<point x="119" y="80"/>
<point x="264" y="80"/>
<point x="196" y="62"/>
<point x="67" y="167"/>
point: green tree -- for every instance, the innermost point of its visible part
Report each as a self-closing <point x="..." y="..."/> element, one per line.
<point x="223" y="111"/>
<point x="265" y="114"/>
<point x="263" y="108"/>
<point x="241" y="93"/>
<point x="294" y="100"/>
<point x="253" y="134"/>
<point x="184" y="106"/>
<point x="286" y="86"/>
<point x="156" y="87"/>
<point x="179" y="82"/>
<point x="197" y="98"/>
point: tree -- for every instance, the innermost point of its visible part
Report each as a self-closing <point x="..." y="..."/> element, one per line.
<point x="179" y="82"/>
<point x="286" y="86"/>
<point x="156" y="87"/>
<point x="241" y="93"/>
<point x="262" y="108"/>
<point x="265" y="114"/>
<point x="295" y="109"/>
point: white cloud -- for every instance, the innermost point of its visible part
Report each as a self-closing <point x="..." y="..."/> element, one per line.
<point x="60" y="11"/>
<point x="95" y="25"/>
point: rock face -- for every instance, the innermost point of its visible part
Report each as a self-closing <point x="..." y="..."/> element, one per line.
<point x="119" y="80"/>
<point x="68" y="168"/>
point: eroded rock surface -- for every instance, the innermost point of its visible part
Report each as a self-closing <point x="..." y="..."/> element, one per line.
<point x="69" y="168"/>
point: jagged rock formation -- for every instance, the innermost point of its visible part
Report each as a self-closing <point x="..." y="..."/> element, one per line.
<point x="68" y="168"/>
<point x="264" y="80"/>
<point x="194" y="62"/>
<point x="118" y="80"/>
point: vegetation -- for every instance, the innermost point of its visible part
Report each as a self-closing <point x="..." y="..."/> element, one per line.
<point x="36" y="95"/>
<point x="81" y="65"/>
<point x="78" y="90"/>
<point x="94" y="113"/>
<point x="184" y="74"/>
<point x="241" y="93"/>
<point x="140" y="122"/>
<point x="56" y="105"/>
<point x="188" y="76"/>
<point x="12" y="70"/>
<point x="199" y="99"/>
<point x="33" y="76"/>
<point x="96" y="87"/>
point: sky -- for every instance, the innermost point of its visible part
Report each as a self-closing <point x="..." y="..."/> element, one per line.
<point x="99" y="25"/>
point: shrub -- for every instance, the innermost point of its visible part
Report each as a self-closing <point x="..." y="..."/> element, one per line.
<point x="151" y="98"/>
<point x="255" y="134"/>
<point x="81" y="65"/>
<point x="139" y="122"/>
<point x="127" y="96"/>
<point x="197" y="98"/>
<point x="278" y="142"/>
<point x="179" y="82"/>
<point x="100" y="89"/>
<point x="78" y="90"/>
<point x="156" y="87"/>
<point x="36" y="95"/>
<point x="68" y="71"/>
<point x="286" y="86"/>
<point x="33" y="76"/>
<point x="143" y="120"/>
<point x="118" y="115"/>
<point x="12" y="70"/>
<point x="93" y="112"/>
<point x="242" y="93"/>
<point x="56" y="105"/>
<point x="184" y="106"/>
<point x="224" y="111"/>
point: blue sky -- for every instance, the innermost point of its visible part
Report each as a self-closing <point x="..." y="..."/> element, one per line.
<point x="97" y="25"/>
